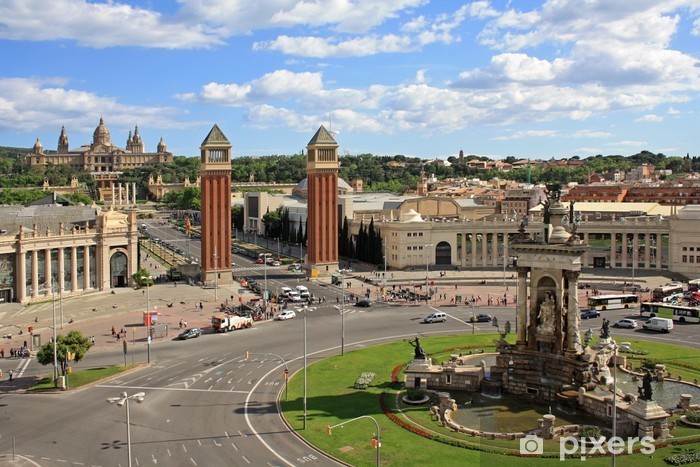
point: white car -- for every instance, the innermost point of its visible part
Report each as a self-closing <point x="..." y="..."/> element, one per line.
<point x="288" y="314"/>
<point x="276" y="263"/>
<point x="626" y="323"/>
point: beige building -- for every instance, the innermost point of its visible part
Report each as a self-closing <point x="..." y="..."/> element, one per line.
<point x="101" y="158"/>
<point x="69" y="250"/>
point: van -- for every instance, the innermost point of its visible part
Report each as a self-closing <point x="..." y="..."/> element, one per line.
<point x="293" y="296"/>
<point x="284" y="291"/>
<point x="435" y="318"/>
<point x="303" y="291"/>
<point x="659" y="324"/>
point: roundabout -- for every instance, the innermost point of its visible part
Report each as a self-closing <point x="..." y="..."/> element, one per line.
<point x="413" y="435"/>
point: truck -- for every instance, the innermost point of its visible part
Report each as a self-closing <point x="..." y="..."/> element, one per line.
<point x="224" y="323"/>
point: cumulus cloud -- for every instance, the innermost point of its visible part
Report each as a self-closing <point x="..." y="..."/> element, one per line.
<point x="321" y="47"/>
<point x="30" y="104"/>
<point x="345" y="16"/>
<point x="528" y="134"/>
<point x="650" y="118"/>
<point x="100" y="25"/>
<point x="417" y="32"/>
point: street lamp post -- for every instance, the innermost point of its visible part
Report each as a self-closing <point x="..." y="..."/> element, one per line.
<point x="123" y="400"/>
<point x="265" y="256"/>
<point x="305" y="309"/>
<point x="55" y="352"/>
<point x="384" y="277"/>
<point x="614" y="404"/>
<point x="427" y="257"/>
<point x="342" y="310"/>
<point x="379" y="440"/>
<point x="216" y="276"/>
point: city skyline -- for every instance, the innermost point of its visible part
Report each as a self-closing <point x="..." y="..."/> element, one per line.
<point x="425" y="79"/>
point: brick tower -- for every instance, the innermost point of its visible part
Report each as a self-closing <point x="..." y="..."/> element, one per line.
<point x="216" y="207"/>
<point x="322" y="213"/>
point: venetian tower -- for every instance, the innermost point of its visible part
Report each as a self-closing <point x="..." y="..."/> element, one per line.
<point x="215" y="173"/>
<point x="322" y="215"/>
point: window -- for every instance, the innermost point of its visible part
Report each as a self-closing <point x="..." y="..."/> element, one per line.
<point x="420" y="234"/>
<point x="685" y="248"/>
<point x="684" y="259"/>
<point x="448" y="378"/>
<point x="691" y="259"/>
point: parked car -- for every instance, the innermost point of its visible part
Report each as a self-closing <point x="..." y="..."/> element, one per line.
<point x="480" y="318"/>
<point x="587" y="314"/>
<point x="259" y="261"/>
<point x="435" y="318"/>
<point x="626" y="323"/>
<point x="287" y="314"/>
<point x="189" y="334"/>
<point x="364" y="303"/>
<point x="276" y="263"/>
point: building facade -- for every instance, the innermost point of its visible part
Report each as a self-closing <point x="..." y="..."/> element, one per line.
<point x="66" y="250"/>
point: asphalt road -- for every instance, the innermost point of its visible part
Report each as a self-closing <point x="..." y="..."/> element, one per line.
<point x="207" y="405"/>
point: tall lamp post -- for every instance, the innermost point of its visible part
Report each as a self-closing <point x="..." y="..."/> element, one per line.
<point x="427" y="257"/>
<point x="384" y="277"/>
<point x="216" y="276"/>
<point x="342" y="310"/>
<point x="378" y="444"/>
<point x="55" y="353"/>
<point x="123" y="400"/>
<point x="305" y="308"/>
<point x="265" y="256"/>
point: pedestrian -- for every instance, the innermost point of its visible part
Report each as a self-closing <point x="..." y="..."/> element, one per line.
<point x="11" y="374"/>
<point x="118" y="337"/>
<point x="114" y="331"/>
<point x="2" y="353"/>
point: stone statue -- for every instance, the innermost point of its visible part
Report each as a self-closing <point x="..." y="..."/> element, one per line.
<point x="645" y="391"/>
<point x="419" y="352"/>
<point x="588" y="337"/>
<point x="605" y="329"/>
<point x="547" y="313"/>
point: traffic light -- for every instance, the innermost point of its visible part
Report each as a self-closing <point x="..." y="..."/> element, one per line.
<point x="328" y="430"/>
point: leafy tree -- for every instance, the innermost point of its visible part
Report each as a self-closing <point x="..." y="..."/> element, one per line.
<point x="272" y="220"/>
<point x="237" y="216"/>
<point x="79" y="197"/>
<point x="186" y="199"/>
<point x="73" y="342"/>
<point x="142" y="278"/>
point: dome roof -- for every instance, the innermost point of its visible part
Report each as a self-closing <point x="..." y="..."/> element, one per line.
<point x="38" y="144"/>
<point x="161" y="146"/>
<point x="411" y="216"/>
<point x="101" y="134"/>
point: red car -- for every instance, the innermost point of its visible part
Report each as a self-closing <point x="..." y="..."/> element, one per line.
<point x="259" y="261"/>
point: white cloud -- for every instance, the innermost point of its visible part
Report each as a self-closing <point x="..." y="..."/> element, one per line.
<point x="672" y="111"/>
<point x="420" y="76"/>
<point x="528" y="134"/>
<point x="30" y="104"/>
<point x="591" y="134"/>
<point x="321" y="47"/>
<point x="650" y="118"/>
<point x="347" y="16"/>
<point x="628" y="143"/>
<point x="100" y="25"/>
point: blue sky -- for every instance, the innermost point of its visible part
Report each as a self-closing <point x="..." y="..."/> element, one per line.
<point x="422" y="78"/>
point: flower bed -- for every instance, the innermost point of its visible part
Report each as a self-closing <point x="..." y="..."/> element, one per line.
<point x="364" y="380"/>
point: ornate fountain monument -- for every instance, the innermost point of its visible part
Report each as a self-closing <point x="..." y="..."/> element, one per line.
<point x="549" y="363"/>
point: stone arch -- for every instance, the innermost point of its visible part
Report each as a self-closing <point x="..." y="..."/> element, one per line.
<point x="443" y="253"/>
<point x="118" y="269"/>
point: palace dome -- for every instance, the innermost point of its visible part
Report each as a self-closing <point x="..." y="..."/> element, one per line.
<point x="101" y="134"/>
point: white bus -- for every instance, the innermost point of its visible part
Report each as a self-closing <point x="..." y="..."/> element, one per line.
<point x="612" y="302"/>
<point x="694" y="285"/>
<point x="683" y="314"/>
<point x="669" y="293"/>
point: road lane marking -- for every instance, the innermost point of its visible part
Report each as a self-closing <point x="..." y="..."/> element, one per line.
<point x="234" y="446"/>
<point x="168" y="449"/>
<point x="184" y="448"/>
<point x="199" y="442"/>
<point x="193" y="461"/>
<point x="169" y="389"/>
<point x="245" y="459"/>
<point x="226" y="433"/>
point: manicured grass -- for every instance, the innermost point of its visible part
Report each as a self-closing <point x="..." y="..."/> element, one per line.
<point x="331" y="399"/>
<point x="81" y="377"/>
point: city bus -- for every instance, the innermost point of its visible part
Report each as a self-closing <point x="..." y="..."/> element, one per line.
<point x="612" y="302"/>
<point x="694" y="285"/>
<point x="670" y="293"/>
<point x="683" y="314"/>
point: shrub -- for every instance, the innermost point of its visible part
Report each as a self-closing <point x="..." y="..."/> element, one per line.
<point x="364" y="380"/>
<point x="590" y="432"/>
<point x="693" y="416"/>
<point x="415" y="394"/>
<point x="688" y="457"/>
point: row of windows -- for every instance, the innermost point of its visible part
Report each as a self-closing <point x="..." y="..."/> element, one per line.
<point x="690" y="259"/>
<point x="414" y="234"/>
<point x="690" y="248"/>
<point x="414" y="248"/>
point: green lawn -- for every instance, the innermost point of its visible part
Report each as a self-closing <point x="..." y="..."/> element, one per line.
<point x="81" y="377"/>
<point x="332" y="399"/>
